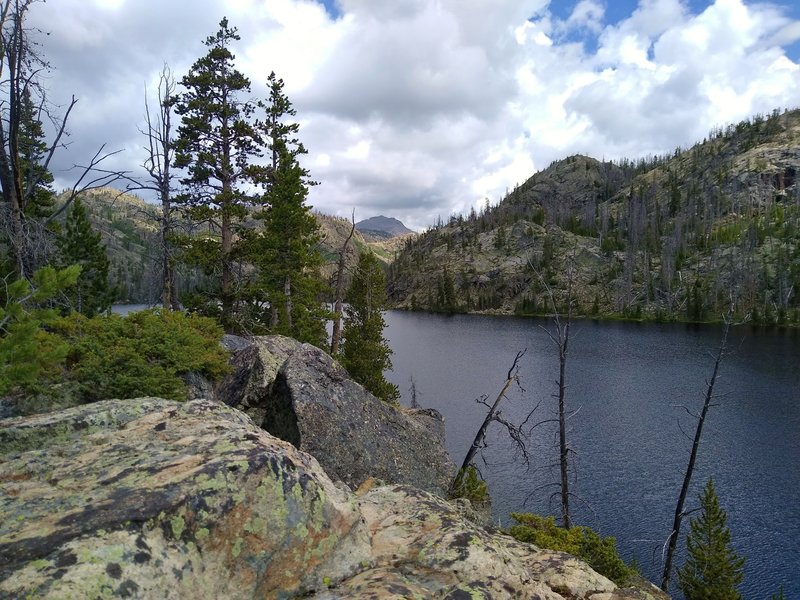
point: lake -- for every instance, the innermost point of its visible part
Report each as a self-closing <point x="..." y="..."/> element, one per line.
<point x="628" y="382"/>
<point x="126" y="309"/>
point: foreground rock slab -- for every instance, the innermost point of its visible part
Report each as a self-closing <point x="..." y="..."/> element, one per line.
<point x="153" y="499"/>
<point x="423" y="548"/>
<point x="150" y="498"/>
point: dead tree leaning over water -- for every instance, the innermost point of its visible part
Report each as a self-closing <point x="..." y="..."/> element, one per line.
<point x="514" y="431"/>
<point x="672" y="541"/>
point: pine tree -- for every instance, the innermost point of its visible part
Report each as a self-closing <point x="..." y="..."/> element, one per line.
<point x="713" y="570"/>
<point x="365" y="353"/>
<point x="38" y="199"/>
<point x="217" y="145"/>
<point x="37" y="179"/>
<point x="27" y="353"/>
<point x="287" y="249"/>
<point x="81" y="245"/>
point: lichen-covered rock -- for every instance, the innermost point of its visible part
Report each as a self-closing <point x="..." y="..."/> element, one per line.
<point x="151" y="498"/>
<point x="422" y="548"/>
<point x="300" y="394"/>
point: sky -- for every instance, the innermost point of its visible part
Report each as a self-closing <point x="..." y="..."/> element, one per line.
<point x="420" y="109"/>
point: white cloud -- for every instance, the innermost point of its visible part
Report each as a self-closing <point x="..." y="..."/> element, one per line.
<point x="418" y="108"/>
<point x="588" y="14"/>
<point x="661" y="79"/>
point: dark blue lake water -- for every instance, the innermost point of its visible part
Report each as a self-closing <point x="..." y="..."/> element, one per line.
<point x="627" y="382"/>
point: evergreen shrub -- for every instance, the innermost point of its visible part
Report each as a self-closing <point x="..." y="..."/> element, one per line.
<point x="142" y="354"/>
<point x="599" y="553"/>
<point x="469" y="485"/>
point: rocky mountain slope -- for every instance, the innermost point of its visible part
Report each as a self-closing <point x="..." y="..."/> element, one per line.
<point x="382" y="227"/>
<point x="683" y="236"/>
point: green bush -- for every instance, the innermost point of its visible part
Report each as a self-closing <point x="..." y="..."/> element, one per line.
<point x="142" y="354"/>
<point x="598" y="552"/>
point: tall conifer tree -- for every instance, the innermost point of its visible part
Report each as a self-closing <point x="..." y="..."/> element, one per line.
<point x="217" y="145"/>
<point x="365" y="353"/>
<point x="288" y="254"/>
<point x="81" y="245"/>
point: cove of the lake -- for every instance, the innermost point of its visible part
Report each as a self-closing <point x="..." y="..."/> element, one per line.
<point x="629" y="384"/>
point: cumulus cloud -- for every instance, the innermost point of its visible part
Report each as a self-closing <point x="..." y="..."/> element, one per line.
<point x="587" y="14"/>
<point x="419" y="108"/>
<point x="661" y="78"/>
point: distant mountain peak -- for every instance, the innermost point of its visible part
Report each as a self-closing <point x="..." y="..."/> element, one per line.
<point x="383" y="226"/>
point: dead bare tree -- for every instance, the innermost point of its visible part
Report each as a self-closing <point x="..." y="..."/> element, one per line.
<point x="559" y="335"/>
<point x="336" y="334"/>
<point x="158" y="165"/>
<point x="91" y="177"/>
<point x="21" y="69"/>
<point x="561" y="339"/>
<point x="672" y="540"/>
<point x="515" y="432"/>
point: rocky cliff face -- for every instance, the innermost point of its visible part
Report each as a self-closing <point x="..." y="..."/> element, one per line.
<point x="150" y="498"/>
<point x="300" y="394"/>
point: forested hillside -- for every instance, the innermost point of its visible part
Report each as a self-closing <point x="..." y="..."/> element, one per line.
<point x="129" y="229"/>
<point x="683" y="236"/>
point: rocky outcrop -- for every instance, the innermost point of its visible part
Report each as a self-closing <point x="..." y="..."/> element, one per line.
<point x="422" y="549"/>
<point x="255" y="365"/>
<point x="150" y="498"/>
<point x="154" y="499"/>
<point x="300" y="394"/>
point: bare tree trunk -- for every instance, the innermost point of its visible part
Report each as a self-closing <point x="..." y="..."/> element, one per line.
<point x="336" y="334"/>
<point x="274" y="317"/>
<point x="492" y="415"/>
<point x="687" y="478"/>
<point x="562" y="424"/>
<point x="227" y="271"/>
<point x="168" y="272"/>
<point x="17" y="238"/>
<point x="287" y="292"/>
<point x="414" y="393"/>
<point x="561" y="339"/>
<point x="13" y="56"/>
<point x="166" y="89"/>
<point x="158" y="166"/>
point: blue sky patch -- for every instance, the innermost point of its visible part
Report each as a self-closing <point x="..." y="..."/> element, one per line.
<point x="331" y="8"/>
